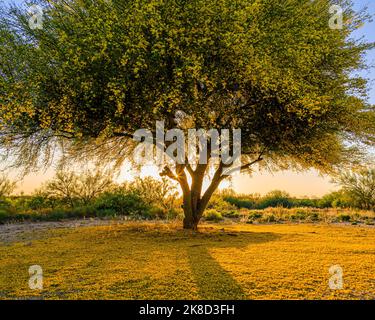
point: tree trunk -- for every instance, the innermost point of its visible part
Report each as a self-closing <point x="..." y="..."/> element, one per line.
<point x="194" y="202"/>
<point x="191" y="223"/>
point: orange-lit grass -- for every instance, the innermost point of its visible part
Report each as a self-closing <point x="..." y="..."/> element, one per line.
<point x="161" y="261"/>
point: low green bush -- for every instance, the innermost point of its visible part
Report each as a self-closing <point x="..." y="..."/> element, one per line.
<point x="275" y="199"/>
<point x="4" y="216"/>
<point x="241" y="202"/>
<point x="104" y="213"/>
<point x="154" y="212"/>
<point x="123" y="204"/>
<point x="213" y="215"/>
<point x="344" y="218"/>
<point x="254" y="216"/>
<point x="232" y="214"/>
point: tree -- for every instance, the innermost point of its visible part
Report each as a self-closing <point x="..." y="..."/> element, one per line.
<point x="160" y="192"/>
<point x="360" y="186"/>
<point x="62" y="186"/>
<point x="91" y="184"/>
<point x="100" y="70"/>
<point x="276" y="198"/>
<point x="83" y="188"/>
<point x="6" y="186"/>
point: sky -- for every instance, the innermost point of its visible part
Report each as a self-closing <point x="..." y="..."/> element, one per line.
<point x="309" y="183"/>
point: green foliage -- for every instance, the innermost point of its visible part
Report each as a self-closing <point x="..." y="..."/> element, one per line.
<point x="5" y="204"/>
<point x="99" y="70"/>
<point x="154" y="192"/>
<point x="335" y="199"/>
<point x="344" y="218"/>
<point x="220" y="203"/>
<point x="274" y="199"/>
<point x="6" y="186"/>
<point x="248" y="202"/>
<point x="213" y="215"/>
<point x="77" y="189"/>
<point x="155" y="212"/>
<point x="4" y="216"/>
<point x="360" y="187"/>
<point x="254" y="216"/>
<point x="129" y="204"/>
<point x="70" y="195"/>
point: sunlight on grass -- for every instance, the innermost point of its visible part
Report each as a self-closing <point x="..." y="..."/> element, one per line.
<point x="161" y="261"/>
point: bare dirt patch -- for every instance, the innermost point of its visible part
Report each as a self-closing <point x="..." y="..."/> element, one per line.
<point x="27" y="231"/>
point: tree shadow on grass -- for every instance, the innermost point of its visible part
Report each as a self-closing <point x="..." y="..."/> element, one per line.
<point x="213" y="281"/>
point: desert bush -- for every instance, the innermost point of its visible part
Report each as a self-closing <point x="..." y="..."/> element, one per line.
<point x="106" y="213"/>
<point x="155" y="212"/>
<point x="154" y="192"/>
<point x="218" y="203"/>
<point x="5" y="204"/>
<point x="344" y="218"/>
<point x="130" y="204"/>
<point x="77" y="189"/>
<point x="239" y="201"/>
<point x="42" y="200"/>
<point x="232" y="214"/>
<point x="91" y="184"/>
<point x="4" y="216"/>
<point x="298" y="214"/>
<point x="304" y="203"/>
<point x="6" y="186"/>
<point x="269" y="217"/>
<point x="336" y="199"/>
<point x="360" y="186"/>
<point x="175" y="213"/>
<point x="254" y="216"/>
<point x="274" y="199"/>
<point x="213" y="215"/>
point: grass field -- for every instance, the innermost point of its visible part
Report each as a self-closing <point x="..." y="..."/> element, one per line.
<point x="160" y="261"/>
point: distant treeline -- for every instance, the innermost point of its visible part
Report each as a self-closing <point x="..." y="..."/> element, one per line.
<point x="95" y="194"/>
<point x="278" y="198"/>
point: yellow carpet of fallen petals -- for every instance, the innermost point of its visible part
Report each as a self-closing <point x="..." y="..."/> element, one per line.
<point x="161" y="261"/>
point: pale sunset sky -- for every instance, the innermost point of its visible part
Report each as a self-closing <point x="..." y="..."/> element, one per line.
<point x="298" y="184"/>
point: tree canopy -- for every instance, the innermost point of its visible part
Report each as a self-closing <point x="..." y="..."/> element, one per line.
<point x="360" y="187"/>
<point x="99" y="70"/>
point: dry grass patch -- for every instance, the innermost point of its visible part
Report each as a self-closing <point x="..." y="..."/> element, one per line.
<point x="161" y="261"/>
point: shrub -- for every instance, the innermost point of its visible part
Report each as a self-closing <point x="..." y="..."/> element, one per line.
<point x="57" y="214"/>
<point x="213" y="215"/>
<point x="254" y="216"/>
<point x="337" y="199"/>
<point x="5" y="204"/>
<point x="344" y="218"/>
<point x="155" y="212"/>
<point x="4" y="216"/>
<point x="106" y="213"/>
<point x="82" y="212"/>
<point x="41" y="201"/>
<point x="303" y="203"/>
<point x="269" y="218"/>
<point x="218" y="203"/>
<point x="241" y="202"/>
<point x="123" y="204"/>
<point x="313" y="217"/>
<point x="154" y="192"/>
<point x="275" y="199"/>
<point x="175" y="213"/>
<point x="233" y="214"/>
<point x="298" y="215"/>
